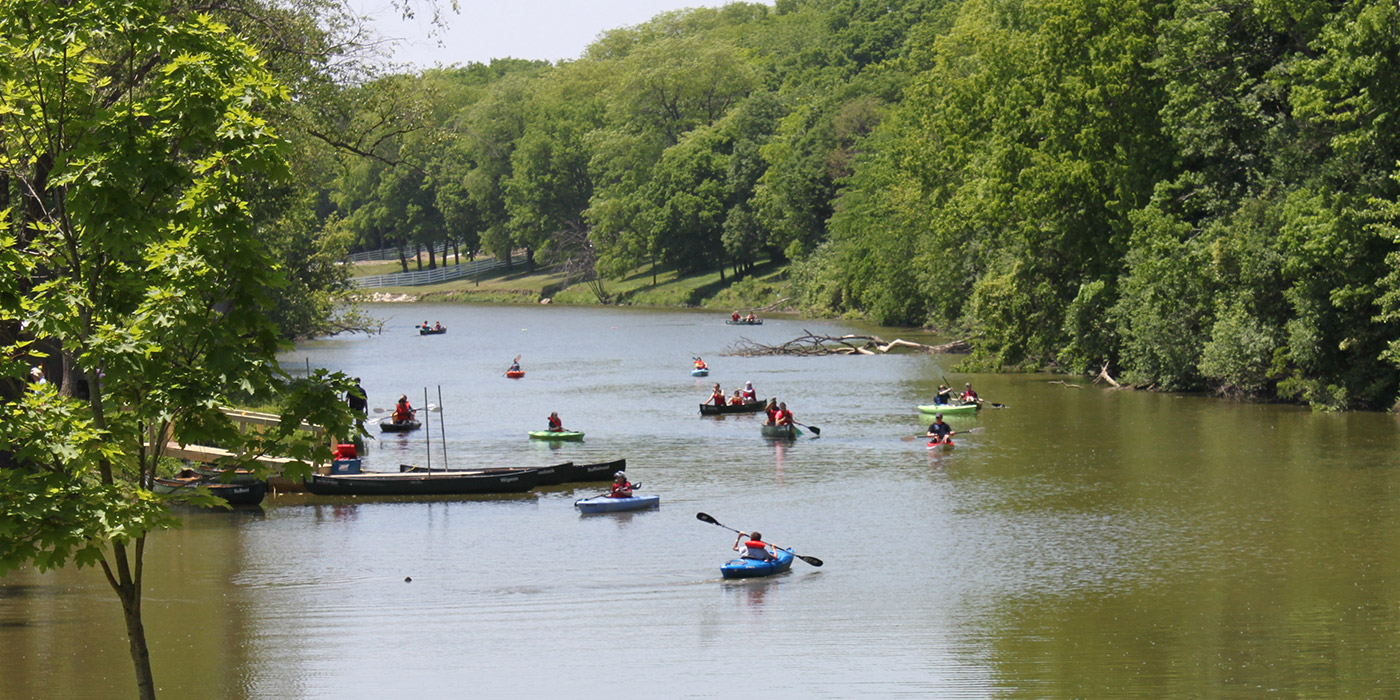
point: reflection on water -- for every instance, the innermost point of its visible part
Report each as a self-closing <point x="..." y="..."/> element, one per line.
<point x="1079" y="544"/>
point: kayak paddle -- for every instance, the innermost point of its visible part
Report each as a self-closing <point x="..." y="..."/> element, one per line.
<point x="634" y="488"/>
<point x="706" y="518"/>
<point x="969" y="431"/>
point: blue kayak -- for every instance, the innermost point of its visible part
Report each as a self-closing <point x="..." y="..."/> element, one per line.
<point x="606" y="504"/>
<point x="753" y="568"/>
<point x="699" y="372"/>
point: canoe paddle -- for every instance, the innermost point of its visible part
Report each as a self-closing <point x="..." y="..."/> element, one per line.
<point x="815" y="430"/>
<point x="706" y="518"/>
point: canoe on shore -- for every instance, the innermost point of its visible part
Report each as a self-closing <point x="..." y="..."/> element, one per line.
<point x="707" y="409"/>
<point x="952" y="409"/>
<point x="606" y="504"/>
<point x="556" y="435"/>
<point x="753" y="568"/>
<point x="786" y="432"/>
<point x="237" y="493"/>
<point x="415" y="483"/>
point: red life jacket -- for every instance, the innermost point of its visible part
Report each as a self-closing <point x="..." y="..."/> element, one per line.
<point x="555" y="423"/>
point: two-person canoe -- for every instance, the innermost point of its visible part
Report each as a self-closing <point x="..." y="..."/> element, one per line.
<point x="744" y="322"/>
<point x="431" y="331"/>
<point x="700" y="372"/>
<point x="608" y="504"/>
<point x="415" y="483"/>
<point x="784" y="432"/>
<point x="555" y="435"/>
<point x="753" y="568"/>
<point x="707" y="409"/>
<point x="389" y="426"/>
<point x="952" y="409"/>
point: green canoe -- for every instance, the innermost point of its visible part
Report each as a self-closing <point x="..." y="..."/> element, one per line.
<point x="555" y="435"/>
<point x="952" y="409"/>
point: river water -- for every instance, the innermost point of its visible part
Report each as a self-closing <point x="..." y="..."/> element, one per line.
<point x="1080" y="543"/>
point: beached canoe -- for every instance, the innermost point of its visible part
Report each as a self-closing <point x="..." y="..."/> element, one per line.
<point x="555" y="435"/>
<point x="707" y="409"/>
<point x="606" y="504"/>
<point x="787" y="432"/>
<point x="389" y="426"/>
<point x="238" y="493"/>
<point x="753" y="568"/>
<point x="952" y="409"/>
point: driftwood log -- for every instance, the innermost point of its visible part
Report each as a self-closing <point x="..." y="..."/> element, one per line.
<point x="813" y="344"/>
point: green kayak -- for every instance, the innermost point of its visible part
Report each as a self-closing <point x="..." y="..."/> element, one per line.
<point x="952" y="409"/>
<point x="555" y="435"/>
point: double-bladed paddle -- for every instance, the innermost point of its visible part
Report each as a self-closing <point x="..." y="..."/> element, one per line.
<point x="430" y="407"/>
<point x="706" y="518"/>
<point x="634" y="488"/>
<point x="969" y="431"/>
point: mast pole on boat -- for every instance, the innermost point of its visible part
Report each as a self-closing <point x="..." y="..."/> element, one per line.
<point x="442" y="428"/>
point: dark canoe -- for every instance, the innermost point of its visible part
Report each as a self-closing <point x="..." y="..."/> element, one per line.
<point x="713" y="410"/>
<point x="454" y="483"/>
<point x="787" y="432"/>
<point x="552" y="475"/>
<point x="744" y="322"/>
<point x="431" y="331"/>
<point x="602" y="471"/>
<point x="237" y="494"/>
<point x="389" y="426"/>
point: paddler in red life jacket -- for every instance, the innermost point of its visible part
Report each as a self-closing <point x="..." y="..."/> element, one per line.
<point x="968" y="395"/>
<point x="734" y="317"/>
<point x="772" y="410"/>
<point x="736" y="399"/>
<point x="700" y="364"/>
<point x="621" y="487"/>
<point x="717" y="396"/>
<point x="403" y="412"/>
<point x="784" y="416"/>
<point x="555" y="425"/>
<point x="754" y="547"/>
<point x="748" y="394"/>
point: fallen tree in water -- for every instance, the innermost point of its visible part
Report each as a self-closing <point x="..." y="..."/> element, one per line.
<point x="813" y="344"/>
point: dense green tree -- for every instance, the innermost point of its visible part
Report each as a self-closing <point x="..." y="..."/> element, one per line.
<point x="132" y="131"/>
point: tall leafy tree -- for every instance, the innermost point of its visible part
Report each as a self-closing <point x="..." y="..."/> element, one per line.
<point x="131" y="136"/>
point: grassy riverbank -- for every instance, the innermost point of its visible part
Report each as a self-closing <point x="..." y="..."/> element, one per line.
<point x="764" y="288"/>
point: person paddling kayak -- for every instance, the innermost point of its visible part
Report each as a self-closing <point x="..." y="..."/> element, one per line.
<point x="938" y="431"/>
<point x="403" y="411"/>
<point x="754" y="547"/>
<point x="555" y="425"/>
<point x="945" y="395"/>
<point x="968" y="395"/>
<point x="621" y="487"/>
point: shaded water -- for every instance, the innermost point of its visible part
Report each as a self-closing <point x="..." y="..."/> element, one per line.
<point x="1084" y="543"/>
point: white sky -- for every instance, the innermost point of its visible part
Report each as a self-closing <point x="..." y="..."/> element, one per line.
<point x="487" y="29"/>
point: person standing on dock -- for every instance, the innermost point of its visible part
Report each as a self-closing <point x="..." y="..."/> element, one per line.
<point x="358" y="400"/>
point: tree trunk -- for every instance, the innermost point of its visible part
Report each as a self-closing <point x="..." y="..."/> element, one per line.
<point x="128" y="590"/>
<point x="432" y="256"/>
<point x="530" y="259"/>
<point x="403" y="259"/>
